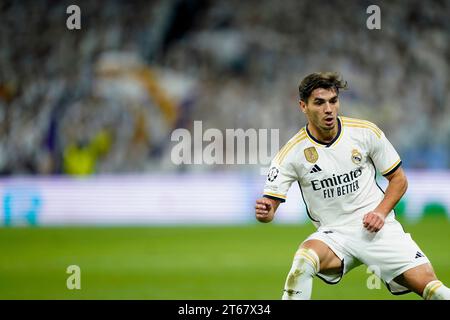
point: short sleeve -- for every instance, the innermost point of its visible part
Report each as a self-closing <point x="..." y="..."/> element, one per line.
<point x="279" y="180"/>
<point x="383" y="154"/>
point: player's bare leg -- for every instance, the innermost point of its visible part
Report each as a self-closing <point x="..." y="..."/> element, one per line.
<point x="423" y="281"/>
<point x="312" y="256"/>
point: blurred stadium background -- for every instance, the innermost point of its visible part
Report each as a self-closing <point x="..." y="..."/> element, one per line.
<point x="86" y="116"/>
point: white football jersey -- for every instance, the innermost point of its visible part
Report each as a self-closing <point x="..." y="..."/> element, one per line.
<point x="337" y="180"/>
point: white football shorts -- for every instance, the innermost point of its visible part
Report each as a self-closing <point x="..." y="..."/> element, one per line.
<point x="389" y="251"/>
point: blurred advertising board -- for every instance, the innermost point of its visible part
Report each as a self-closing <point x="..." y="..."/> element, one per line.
<point x="178" y="199"/>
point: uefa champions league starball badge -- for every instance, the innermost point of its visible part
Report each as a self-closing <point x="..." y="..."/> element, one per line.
<point x="273" y="174"/>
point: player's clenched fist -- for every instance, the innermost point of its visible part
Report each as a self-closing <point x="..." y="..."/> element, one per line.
<point x="373" y="221"/>
<point x="265" y="209"/>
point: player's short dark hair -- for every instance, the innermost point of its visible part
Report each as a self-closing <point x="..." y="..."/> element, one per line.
<point x="325" y="80"/>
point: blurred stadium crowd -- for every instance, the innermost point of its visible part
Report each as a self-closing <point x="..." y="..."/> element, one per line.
<point x="105" y="99"/>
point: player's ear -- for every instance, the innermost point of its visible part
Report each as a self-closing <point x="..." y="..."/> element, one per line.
<point x="302" y="105"/>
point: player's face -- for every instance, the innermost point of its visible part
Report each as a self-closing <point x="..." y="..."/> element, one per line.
<point x="322" y="108"/>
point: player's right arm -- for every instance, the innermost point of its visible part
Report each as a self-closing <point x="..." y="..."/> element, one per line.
<point x="265" y="209"/>
<point x="279" y="179"/>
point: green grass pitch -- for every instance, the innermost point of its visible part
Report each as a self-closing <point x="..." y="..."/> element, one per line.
<point x="198" y="262"/>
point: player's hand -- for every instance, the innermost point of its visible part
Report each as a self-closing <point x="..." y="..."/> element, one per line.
<point x="373" y="221"/>
<point x="263" y="210"/>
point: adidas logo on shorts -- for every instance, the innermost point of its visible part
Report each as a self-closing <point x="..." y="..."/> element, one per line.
<point x="419" y="255"/>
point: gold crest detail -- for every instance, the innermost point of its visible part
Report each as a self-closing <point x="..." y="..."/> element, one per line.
<point x="311" y="154"/>
<point x="356" y="156"/>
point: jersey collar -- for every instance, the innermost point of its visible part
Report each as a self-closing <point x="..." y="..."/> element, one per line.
<point x="323" y="144"/>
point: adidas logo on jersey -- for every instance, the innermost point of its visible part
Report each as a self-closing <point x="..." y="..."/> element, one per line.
<point x="315" y="169"/>
<point x="419" y="255"/>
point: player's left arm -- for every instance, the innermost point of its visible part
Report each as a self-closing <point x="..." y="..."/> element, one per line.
<point x="387" y="160"/>
<point x="374" y="220"/>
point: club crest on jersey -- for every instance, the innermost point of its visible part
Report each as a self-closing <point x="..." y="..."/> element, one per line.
<point x="311" y="154"/>
<point x="273" y="174"/>
<point x="356" y="156"/>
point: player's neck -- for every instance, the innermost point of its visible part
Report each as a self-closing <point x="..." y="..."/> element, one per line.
<point x="324" y="136"/>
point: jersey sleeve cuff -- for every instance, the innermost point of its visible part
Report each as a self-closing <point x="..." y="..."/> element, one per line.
<point x="274" y="196"/>
<point x="393" y="168"/>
